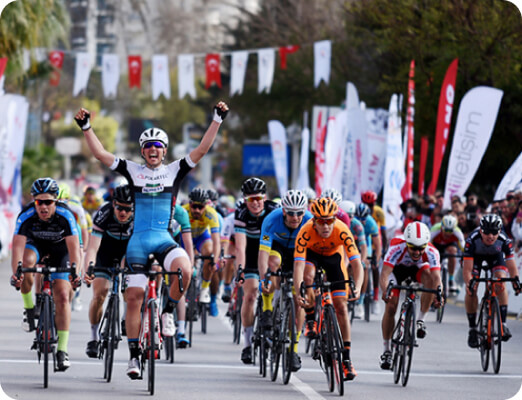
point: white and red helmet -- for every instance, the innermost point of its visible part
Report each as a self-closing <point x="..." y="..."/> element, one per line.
<point x="417" y="234"/>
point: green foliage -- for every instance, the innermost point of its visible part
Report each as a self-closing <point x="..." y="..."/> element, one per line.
<point x="39" y="162"/>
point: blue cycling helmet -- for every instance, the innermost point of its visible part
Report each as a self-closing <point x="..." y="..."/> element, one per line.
<point x="362" y="211"/>
<point x="45" y="185"/>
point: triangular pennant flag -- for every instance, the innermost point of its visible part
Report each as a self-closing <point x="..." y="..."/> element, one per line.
<point x="238" y="71"/>
<point x="82" y="72"/>
<point x="283" y="51"/>
<point x="186" y="76"/>
<point x="3" y="63"/>
<point x="160" y="76"/>
<point x="110" y="74"/>
<point x="134" y="66"/>
<point x="265" y="69"/>
<point x="212" y="67"/>
<point x="56" y="60"/>
<point x="322" y="60"/>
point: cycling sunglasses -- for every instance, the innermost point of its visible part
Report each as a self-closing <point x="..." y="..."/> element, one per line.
<point x="47" y="202"/>
<point x="417" y="248"/>
<point x="490" y="231"/>
<point x="197" y="206"/>
<point x="294" y="213"/>
<point x="123" y="208"/>
<point x="158" y="145"/>
<point x="251" y="199"/>
<point x="324" y="221"/>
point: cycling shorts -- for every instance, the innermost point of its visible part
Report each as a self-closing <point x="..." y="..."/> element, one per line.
<point x="402" y="272"/>
<point x="57" y="257"/>
<point x="198" y="241"/>
<point x="285" y="255"/>
<point x="334" y="268"/>
<point x="141" y="244"/>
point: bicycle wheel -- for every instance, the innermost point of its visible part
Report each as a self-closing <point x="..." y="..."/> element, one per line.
<point x="203" y="315"/>
<point x="110" y="339"/>
<point x="367" y="302"/>
<point x="444" y="279"/>
<point x="191" y="309"/>
<point x="237" y="316"/>
<point x="276" y="339"/>
<point x="496" y="335"/>
<point x="335" y="349"/>
<point x="169" y="348"/>
<point x="151" y="345"/>
<point x="484" y="340"/>
<point x="263" y="352"/>
<point x="288" y="338"/>
<point x="397" y="344"/>
<point x="409" y="343"/>
<point x="45" y="334"/>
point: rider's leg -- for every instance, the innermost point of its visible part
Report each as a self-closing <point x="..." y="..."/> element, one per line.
<point x="61" y="291"/>
<point x="247" y="308"/>
<point x="100" y="289"/>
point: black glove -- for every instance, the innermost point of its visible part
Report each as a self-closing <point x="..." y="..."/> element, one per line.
<point x="13" y="280"/>
<point x="220" y="112"/>
<point x="516" y="285"/>
<point x="85" y="122"/>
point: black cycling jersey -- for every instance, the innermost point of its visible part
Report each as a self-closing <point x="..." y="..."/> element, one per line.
<point x="494" y="255"/>
<point x="250" y="225"/>
<point x="114" y="235"/>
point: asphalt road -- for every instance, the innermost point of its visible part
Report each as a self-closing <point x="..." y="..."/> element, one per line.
<point x="443" y="366"/>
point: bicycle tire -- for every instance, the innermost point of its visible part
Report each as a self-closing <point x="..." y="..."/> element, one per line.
<point x="46" y="340"/>
<point x="444" y="279"/>
<point x="397" y="344"/>
<point x="237" y="316"/>
<point x="203" y="316"/>
<point x="111" y="334"/>
<point x="263" y="352"/>
<point x="151" y="345"/>
<point x="288" y="338"/>
<point x="496" y="335"/>
<point x="484" y="344"/>
<point x="335" y="349"/>
<point x="169" y="348"/>
<point x="191" y="309"/>
<point x="409" y="343"/>
<point x="367" y="302"/>
<point x="276" y="345"/>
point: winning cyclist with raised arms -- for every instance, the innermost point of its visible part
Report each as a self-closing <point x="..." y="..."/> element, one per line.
<point x="154" y="186"/>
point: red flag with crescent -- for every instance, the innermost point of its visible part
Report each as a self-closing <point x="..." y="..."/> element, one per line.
<point x="56" y="60"/>
<point x="134" y="65"/>
<point x="3" y="63"/>
<point x="213" y="71"/>
<point x="283" y="51"/>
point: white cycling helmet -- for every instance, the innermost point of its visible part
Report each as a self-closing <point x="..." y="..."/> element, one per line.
<point x="417" y="234"/>
<point x="449" y="223"/>
<point x="309" y="193"/>
<point x="153" y="135"/>
<point x="294" y="200"/>
<point x="333" y="194"/>
<point x="348" y="207"/>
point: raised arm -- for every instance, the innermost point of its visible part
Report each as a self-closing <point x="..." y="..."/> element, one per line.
<point x="220" y="113"/>
<point x="82" y="118"/>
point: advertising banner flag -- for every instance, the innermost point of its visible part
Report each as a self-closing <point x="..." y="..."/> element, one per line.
<point x="213" y="70"/>
<point x="277" y="133"/>
<point x="377" y="128"/>
<point x="265" y="69"/>
<point x="475" y="122"/>
<point x="283" y="51"/>
<point x="160" y="76"/>
<point x="422" y="164"/>
<point x="511" y="179"/>
<point x="238" y="71"/>
<point x="446" y="99"/>
<point x="335" y="149"/>
<point x="322" y="61"/>
<point x="56" y="60"/>
<point x="134" y="66"/>
<point x="82" y="72"/>
<point x="186" y="76"/>
<point x="320" y="137"/>
<point x="110" y="74"/>
<point x="406" y="191"/>
<point x="303" y="180"/>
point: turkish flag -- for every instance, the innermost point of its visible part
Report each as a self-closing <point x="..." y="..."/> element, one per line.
<point x="283" y="51"/>
<point x="3" y="63"/>
<point x="134" y="71"/>
<point x="56" y="60"/>
<point x="213" y="70"/>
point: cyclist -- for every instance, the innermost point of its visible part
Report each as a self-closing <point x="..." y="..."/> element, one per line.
<point x="369" y="198"/>
<point x="90" y="200"/>
<point x="206" y="239"/>
<point x="155" y="187"/>
<point x="249" y="218"/>
<point x="447" y="237"/>
<point x="47" y="228"/>
<point x="311" y="195"/>
<point x="322" y="242"/>
<point x="337" y="197"/>
<point x="488" y="248"/>
<point x="228" y="242"/>
<point x="373" y="239"/>
<point x="411" y="256"/>
<point x="276" y="250"/>
<point x="113" y="224"/>
<point x="213" y="200"/>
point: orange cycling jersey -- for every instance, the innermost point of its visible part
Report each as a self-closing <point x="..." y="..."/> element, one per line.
<point x="309" y="239"/>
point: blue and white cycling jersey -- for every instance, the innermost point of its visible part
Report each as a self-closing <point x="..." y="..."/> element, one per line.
<point x="370" y="229"/>
<point x="274" y="228"/>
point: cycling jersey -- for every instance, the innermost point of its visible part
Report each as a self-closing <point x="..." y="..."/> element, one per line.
<point x="91" y="205"/>
<point x="370" y="229"/>
<point x="357" y="229"/>
<point x="379" y="216"/>
<point x="227" y="233"/>
<point x="154" y="192"/>
<point x="343" y="216"/>
<point x="275" y="229"/>
<point x="209" y="221"/>
<point x="439" y="238"/>
<point x="114" y="236"/>
<point x="494" y="255"/>
<point x="180" y="223"/>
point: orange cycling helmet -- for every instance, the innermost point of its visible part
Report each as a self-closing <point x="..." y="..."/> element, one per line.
<point x="324" y="207"/>
<point x="369" y="197"/>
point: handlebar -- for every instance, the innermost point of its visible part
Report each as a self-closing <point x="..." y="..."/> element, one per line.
<point x="239" y="275"/>
<point x="45" y="269"/>
<point x="474" y="280"/>
<point x="151" y="274"/>
<point x="413" y="287"/>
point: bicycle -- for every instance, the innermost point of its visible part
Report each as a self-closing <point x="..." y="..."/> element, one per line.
<point x="150" y="339"/>
<point x="167" y="340"/>
<point x="283" y="337"/>
<point x="489" y="322"/>
<point x="46" y="336"/>
<point x="234" y="309"/>
<point x="260" y="335"/>
<point x="203" y="308"/>
<point x="404" y="332"/>
<point x="368" y="295"/>
<point x="328" y="346"/>
<point x="109" y="331"/>
<point x="444" y="275"/>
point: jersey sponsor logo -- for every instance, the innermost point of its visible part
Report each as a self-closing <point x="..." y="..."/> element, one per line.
<point x="152" y="178"/>
<point x="266" y="238"/>
<point x="153" y="188"/>
<point x="348" y="241"/>
<point x="302" y="242"/>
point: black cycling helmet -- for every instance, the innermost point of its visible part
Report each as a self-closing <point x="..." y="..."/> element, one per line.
<point x="122" y="194"/>
<point x="45" y="185"/>
<point x="491" y="222"/>
<point x="212" y="194"/>
<point x="252" y="186"/>
<point x="362" y="211"/>
<point x="198" y="195"/>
